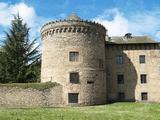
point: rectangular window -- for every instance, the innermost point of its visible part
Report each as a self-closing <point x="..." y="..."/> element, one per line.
<point x="144" y="96"/>
<point x="90" y="82"/>
<point x="74" y="77"/>
<point x="143" y="78"/>
<point x="119" y="59"/>
<point x="121" y="96"/>
<point x="142" y="59"/>
<point x="73" y="56"/>
<point x="120" y="79"/>
<point x="72" y="97"/>
<point x="100" y="63"/>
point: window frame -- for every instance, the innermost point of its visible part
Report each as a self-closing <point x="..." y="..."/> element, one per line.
<point x="71" y="97"/>
<point x="119" y="59"/>
<point x="144" y="96"/>
<point x="142" y="59"/>
<point x="143" y="78"/>
<point x="121" y="96"/>
<point x="71" y="77"/>
<point x="73" y="56"/>
<point x="119" y="79"/>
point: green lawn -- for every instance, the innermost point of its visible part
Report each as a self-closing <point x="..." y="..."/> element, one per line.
<point x="116" y="111"/>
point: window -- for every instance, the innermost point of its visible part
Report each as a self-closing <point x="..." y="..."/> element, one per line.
<point x="100" y="63"/>
<point x="74" y="77"/>
<point x="119" y="59"/>
<point x="142" y="59"/>
<point x="121" y="96"/>
<point x="73" y="56"/>
<point x="144" y="96"/>
<point x="90" y="82"/>
<point x="120" y="79"/>
<point x="143" y="78"/>
<point x="72" y="97"/>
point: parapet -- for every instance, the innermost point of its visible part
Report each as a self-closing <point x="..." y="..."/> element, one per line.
<point x="72" y="24"/>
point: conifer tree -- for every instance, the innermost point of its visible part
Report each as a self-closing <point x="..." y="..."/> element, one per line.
<point x="19" y="54"/>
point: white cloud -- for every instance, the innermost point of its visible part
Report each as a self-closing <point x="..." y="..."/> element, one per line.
<point x="118" y="25"/>
<point x="26" y="12"/>
<point x="139" y="23"/>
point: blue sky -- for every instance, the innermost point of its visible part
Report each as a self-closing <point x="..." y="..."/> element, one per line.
<point x="140" y="17"/>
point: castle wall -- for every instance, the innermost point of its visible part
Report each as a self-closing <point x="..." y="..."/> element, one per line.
<point x="88" y="39"/>
<point x="96" y="65"/>
<point x="19" y="97"/>
<point x="132" y="69"/>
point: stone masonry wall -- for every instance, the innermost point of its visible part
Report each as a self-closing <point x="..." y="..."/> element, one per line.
<point x="132" y="69"/>
<point x="86" y="38"/>
<point x="19" y="97"/>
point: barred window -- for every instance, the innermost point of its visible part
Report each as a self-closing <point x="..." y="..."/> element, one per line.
<point x="144" y="96"/>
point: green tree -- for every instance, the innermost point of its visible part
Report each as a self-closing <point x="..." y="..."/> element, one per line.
<point x="20" y="56"/>
<point x="2" y="67"/>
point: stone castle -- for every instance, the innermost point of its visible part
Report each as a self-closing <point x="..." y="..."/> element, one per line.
<point x="94" y="68"/>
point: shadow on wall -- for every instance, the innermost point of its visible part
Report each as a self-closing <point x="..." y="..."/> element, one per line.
<point x="121" y="75"/>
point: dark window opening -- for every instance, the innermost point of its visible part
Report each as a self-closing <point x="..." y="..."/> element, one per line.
<point x="100" y="63"/>
<point x="72" y="97"/>
<point x="143" y="78"/>
<point x="142" y="59"/>
<point x="73" y="56"/>
<point x="120" y="79"/>
<point x="121" y="96"/>
<point x="90" y="82"/>
<point x="74" y="77"/>
<point x="144" y="96"/>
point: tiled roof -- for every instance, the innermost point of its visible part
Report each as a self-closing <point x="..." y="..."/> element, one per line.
<point x="131" y="40"/>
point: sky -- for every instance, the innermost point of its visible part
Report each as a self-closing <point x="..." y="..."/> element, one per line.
<point x="139" y="17"/>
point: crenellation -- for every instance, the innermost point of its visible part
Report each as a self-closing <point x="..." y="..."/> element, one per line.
<point x="74" y="29"/>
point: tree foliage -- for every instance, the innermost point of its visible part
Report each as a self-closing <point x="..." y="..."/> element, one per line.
<point x="19" y="57"/>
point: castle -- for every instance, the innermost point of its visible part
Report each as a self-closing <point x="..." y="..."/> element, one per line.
<point x="94" y="68"/>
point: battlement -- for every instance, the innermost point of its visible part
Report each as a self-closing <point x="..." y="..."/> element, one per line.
<point x="72" y="24"/>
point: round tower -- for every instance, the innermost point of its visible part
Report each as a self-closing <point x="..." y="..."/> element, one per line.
<point x="73" y="55"/>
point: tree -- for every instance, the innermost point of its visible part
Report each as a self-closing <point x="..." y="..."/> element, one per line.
<point x="2" y="67"/>
<point x="20" y="55"/>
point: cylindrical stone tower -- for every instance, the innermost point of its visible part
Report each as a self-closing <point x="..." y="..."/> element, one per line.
<point x="73" y="55"/>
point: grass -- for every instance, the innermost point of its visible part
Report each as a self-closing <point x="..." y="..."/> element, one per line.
<point x="38" y="86"/>
<point x="116" y="111"/>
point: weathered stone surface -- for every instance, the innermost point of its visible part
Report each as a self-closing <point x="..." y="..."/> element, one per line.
<point x="18" y="97"/>
<point x="132" y="69"/>
<point x="87" y="38"/>
<point x="92" y="43"/>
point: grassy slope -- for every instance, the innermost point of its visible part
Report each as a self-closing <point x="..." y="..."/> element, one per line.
<point x="117" y="111"/>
